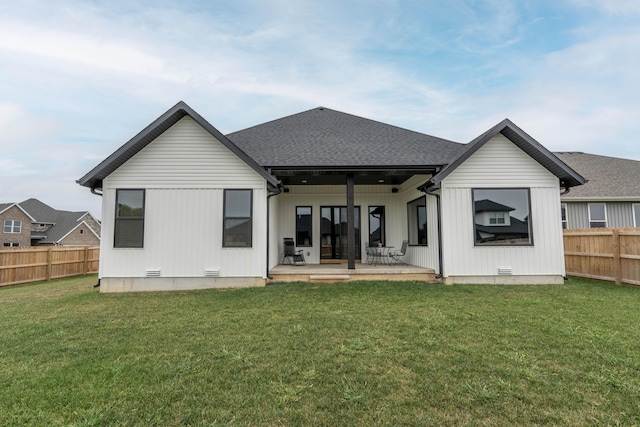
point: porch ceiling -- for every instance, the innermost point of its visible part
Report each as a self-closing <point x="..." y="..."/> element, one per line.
<point x="338" y="177"/>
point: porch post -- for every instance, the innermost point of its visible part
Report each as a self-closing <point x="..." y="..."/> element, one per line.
<point x="351" y="229"/>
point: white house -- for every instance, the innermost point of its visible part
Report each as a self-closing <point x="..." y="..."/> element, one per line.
<point x="187" y="207"/>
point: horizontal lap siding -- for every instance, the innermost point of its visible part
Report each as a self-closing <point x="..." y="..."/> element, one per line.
<point x="184" y="172"/>
<point x="185" y="155"/>
<point x="500" y="164"/>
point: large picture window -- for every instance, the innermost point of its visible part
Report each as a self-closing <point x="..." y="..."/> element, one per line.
<point x="303" y="226"/>
<point x="417" y="220"/>
<point x="502" y="216"/>
<point x="12" y="226"/>
<point x="238" y="223"/>
<point x="597" y="215"/>
<point x="376" y="225"/>
<point x="129" y="224"/>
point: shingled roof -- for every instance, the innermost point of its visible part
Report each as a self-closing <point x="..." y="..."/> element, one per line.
<point x="608" y="177"/>
<point x="63" y="221"/>
<point x="322" y="137"/>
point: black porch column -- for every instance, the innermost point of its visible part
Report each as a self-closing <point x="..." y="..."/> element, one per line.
<point x="351" y="229"/>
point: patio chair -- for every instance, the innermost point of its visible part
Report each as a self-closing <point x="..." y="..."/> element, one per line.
<point x="293" y="256"/>
<point x="369" y="251"/>
<point x="396" y="255"/>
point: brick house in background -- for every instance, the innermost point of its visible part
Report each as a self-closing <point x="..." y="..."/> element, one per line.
<point x="33" y="223"/>
<point x="16" y="226"/>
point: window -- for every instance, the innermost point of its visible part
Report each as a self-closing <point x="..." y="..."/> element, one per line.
<point x="636" y="215"/>
<point x="563" y="214"/>
<point x="376" y="225"/>
<point x="129" y="226"/>
<point x="417" y="220"/>
<point x="502" y="216"/>
<point x="10" y="244"/>
<point x="303" y="226"/>
<point x="597" y="215"/>
<point x="238" y="224"/>
<point x="12" y="226"/>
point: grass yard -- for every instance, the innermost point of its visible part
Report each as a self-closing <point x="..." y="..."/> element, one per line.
<point x="362" y="354"/>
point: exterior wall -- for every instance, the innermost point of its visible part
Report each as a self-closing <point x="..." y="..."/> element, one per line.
<point x="184" y="172"/>
<point x="24" y="237"/>
<point x="371" y="195"/>
<point x="80" y="236"/>
<point x="619" y="214"/>
<point x="92" y="223"/>
<point x="500" y="164"/>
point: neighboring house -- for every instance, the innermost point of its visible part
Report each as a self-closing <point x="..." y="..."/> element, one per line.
<point x="186" y="207"/>
<point x="16" y="226"/>
<point x="33" y="223"/>
<point x="611" y="196"/>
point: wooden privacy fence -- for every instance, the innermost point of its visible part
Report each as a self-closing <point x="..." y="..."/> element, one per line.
<point x="611" y="254"/>
<point x="35" y="263"/>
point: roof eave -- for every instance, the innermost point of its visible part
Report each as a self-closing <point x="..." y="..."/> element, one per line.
<point x="94" y="178"/>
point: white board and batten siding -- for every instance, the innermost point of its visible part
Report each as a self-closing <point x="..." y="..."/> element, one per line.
<point x="501" y="164"/>
<point x="184" y="172"/>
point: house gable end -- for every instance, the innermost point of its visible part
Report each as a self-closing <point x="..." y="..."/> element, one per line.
<point x="94" y="178"/>
<point x="567" y="176"/>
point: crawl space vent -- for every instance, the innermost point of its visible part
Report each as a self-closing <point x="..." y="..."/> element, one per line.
<point x="211" y="272"/>
<point x="153" y="272"/>
<point x="505" y="270"/>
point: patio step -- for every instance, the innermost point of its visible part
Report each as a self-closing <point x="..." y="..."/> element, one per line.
<point x="329" y="277"/>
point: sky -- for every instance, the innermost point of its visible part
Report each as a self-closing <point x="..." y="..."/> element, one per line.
<point x="80" y="78"/>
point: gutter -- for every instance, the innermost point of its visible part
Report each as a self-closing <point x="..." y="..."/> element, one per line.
<point x="93" y="189"/>
<point x="277" y="190"/>
<point x="424" y="189"/>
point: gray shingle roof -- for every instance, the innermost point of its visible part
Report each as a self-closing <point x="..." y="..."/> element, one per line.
<point x="4" y="206"/>
<point x="608" y="177"/>
<point x="324" y="137"/>
<point x="64" y="221"/>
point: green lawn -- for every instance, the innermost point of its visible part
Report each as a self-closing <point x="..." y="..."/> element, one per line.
<point x="367" y="353"/>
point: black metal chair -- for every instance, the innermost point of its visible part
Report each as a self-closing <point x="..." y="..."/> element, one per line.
<point x="396" y="255"/>
<point x="293" y="256"/>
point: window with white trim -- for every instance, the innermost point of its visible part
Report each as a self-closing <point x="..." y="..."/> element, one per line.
<point x="636" y="215"/>
<point x="10" y="244"/>
<point x="563" y="215"/>
<point x="597" y="215"/>
<point x="13" y="226"/>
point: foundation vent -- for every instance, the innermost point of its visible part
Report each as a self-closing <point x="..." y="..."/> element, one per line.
<point x="211" y="272"/>
<point x="153" y="272"/>
<point x="505" y="271"/>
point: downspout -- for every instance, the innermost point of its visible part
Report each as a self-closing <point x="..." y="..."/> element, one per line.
<point x="275" y="192"/>
<point x="439" y="215"/>
<point x="93" y="191"/>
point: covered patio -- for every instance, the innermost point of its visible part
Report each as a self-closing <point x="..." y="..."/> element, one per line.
<point x="341" y="273"/>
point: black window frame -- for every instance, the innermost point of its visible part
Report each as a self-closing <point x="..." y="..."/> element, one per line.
<point x="507" y="244"/>
<point x="226" y="218"/>
<point x="301" y="242"/>
<point x="118" y="219"/>
<point x="415" y="234"/>
<point x="383" y="225"/>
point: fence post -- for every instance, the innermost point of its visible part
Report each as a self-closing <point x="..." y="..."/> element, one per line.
<point x="85" y="265"/>
<point x="49" y="263"/>
<point x="617" y="263"/>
